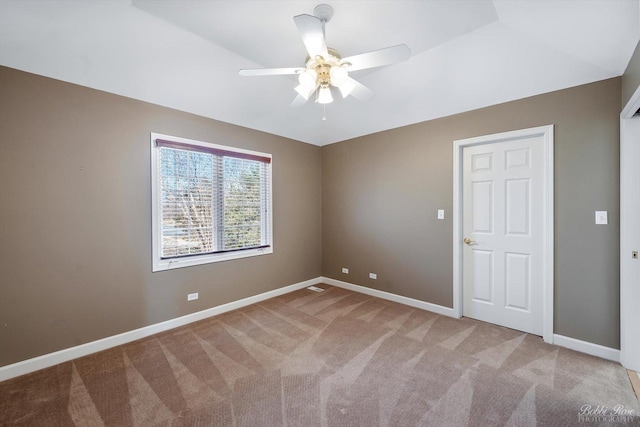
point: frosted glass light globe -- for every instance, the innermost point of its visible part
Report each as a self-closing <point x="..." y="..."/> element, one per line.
<point x="338" y="75"/>
<point x="307" y="79"/>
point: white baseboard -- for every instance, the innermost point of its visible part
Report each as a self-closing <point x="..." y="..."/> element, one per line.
<point x="52" y="359"/>
<point x="435" y="308"/>
<point x="587" y="347"/>
<point x="570" y="343"/>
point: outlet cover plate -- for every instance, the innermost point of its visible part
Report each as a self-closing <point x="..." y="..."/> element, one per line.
<point x="601" y="217"/>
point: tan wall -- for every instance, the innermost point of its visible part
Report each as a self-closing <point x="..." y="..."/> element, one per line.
<point x="75" y="231"/>
<point x="631" y="77"/>
<point x="380" y="195"/>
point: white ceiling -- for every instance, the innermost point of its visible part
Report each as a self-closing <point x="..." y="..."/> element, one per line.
<point x="186" y="54"/>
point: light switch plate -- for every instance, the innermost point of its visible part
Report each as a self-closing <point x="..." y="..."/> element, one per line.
<point x="440" y="213"/>
<point x="601" y="217"/>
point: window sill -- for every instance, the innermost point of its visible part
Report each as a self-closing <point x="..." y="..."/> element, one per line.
<point x="172" y="264"/>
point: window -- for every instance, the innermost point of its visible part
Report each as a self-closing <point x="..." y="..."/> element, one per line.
<point x="210" y="202"/>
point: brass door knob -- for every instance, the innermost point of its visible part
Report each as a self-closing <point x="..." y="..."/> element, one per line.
<point x="468" y="241"/>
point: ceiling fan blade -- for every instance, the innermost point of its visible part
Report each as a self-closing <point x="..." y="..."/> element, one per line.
<point x="269" y="71"/>
<point x="359" y="91"/>
<point x="312" y="32"/>
<point x="298" y="101"/>
<point x="378" y="58"/>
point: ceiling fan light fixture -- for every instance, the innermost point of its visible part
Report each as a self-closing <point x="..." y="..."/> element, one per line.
<point x="324" y="96"/>
<point x="308" y="79"/>
<point x="338" y="75"/>
<point x="325" y="68"/>
<point x="304" y="92"/>
<point x="346" y="87"/>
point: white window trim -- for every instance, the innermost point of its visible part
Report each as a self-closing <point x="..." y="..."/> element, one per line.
<point x="160" y="264"/>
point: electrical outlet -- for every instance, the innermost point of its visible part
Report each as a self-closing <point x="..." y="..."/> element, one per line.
<point x="440" y="213"/>
<point x="345" y="270"/>
<point x="193" y="296"/>
<point x="373" y="276"/>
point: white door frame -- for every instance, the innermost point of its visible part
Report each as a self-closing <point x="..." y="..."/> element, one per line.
<point x="629" y="240"/>
<point x="546" y="132"/>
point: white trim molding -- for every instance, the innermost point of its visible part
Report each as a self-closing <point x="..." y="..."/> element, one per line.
<point x="411" y="302"/>
<point x="51" y="359"/>
<point x="159" y="263"/>
<point x="587" y="347"/>
<point x="548" y="217"/>
<point x="632" y="105"/>
<point x="629" y="242"/>
<point x="629" y="234"/>
<point x="559" y="340"/>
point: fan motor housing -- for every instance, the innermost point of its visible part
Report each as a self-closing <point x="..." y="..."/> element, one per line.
<point x="322" y="66"/>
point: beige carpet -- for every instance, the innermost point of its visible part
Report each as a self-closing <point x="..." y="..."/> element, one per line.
<point x="335" y="358"/>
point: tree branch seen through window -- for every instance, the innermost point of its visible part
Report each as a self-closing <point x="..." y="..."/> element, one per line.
<point x="211" y="201"/>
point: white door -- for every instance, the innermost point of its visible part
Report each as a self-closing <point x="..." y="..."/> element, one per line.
<point x="502" y="227"/>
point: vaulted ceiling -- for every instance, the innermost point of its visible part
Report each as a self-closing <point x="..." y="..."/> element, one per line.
<point x="185" y="54"/>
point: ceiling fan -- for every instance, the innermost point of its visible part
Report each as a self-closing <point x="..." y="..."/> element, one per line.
<point x="325" y="68"/>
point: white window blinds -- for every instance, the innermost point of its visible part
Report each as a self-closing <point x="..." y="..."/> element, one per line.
<point x="211" y="200"/>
